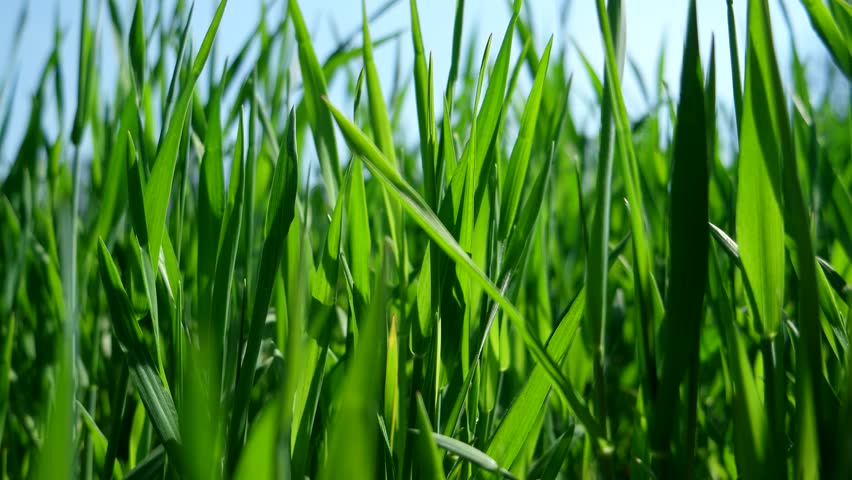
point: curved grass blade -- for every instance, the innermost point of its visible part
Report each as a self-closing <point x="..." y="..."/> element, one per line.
<point x="467" y="452"/>
<point x="314" y="84"/>
<point x="824" y="25"/>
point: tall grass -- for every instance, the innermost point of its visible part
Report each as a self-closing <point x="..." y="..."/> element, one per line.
<point x="505" y="296"/>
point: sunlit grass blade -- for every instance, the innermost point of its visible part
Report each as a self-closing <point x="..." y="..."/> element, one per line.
<point x="598" y="242"/>
<point x="159" y="186"/>
<point x="314" y="85"/>
<point x="519" y="161"/>
<point x="430" y="458"/>
<point x="469" y="453"/>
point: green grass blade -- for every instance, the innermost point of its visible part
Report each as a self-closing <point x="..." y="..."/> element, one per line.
<point x="378" y="110"/>
<point x="430" y="459"/>
<point x="5" y="372"/>
<point x="598" y="242"/>
<point x="359" y="232"/>
<point x="425" y="110"/>
<point x="137" y="45"/>
<point x="314" y="84"/>
<point x="688" y="244"/>
<point x="211" y="205"/>
<point x="324" y="281"/>
<point x="761" y="238"/>
<point x="645" y="286"/>
<point x="458" y="25"/>
<point x="469" y="453"/>
<point x="258" y="458"/>
<point x="824" y="25"/>
<point x="736" y="77"/>
<point x="519" y="161"/>
<point x="279" y="216"/>
<point x="354" y="430"/>
<point x="159" y="186"/>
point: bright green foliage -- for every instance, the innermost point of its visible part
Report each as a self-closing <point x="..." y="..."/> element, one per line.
<point x="199" y="279"/>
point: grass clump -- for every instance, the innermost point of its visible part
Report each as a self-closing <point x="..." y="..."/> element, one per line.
<point x="505" y="296"/>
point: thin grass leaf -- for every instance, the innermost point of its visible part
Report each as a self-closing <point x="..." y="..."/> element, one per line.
<point x="430" y="459"/>
<point x="159" y="186"/>
<point x="519" y="161"/>
<point x="469" y="453"/>
<point x="279" y="216"/>
<point x="825" y="26"/>
<point x="137" y="45"/>
<point x="314" y="84"/>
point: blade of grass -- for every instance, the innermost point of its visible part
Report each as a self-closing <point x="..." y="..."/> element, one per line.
<point x="279" y="216"/>
<point x="598" y="242"/>
<point x="314" y="84"/>
<point x="688" y="243"/>
<point x="159" y="186"/>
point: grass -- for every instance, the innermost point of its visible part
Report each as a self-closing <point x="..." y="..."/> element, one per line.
<point x="505" y="296"/>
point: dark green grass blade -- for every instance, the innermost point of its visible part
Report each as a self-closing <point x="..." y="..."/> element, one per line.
<point x="137" y="45"/>
<point x="688" y="243"/>
<point x="761" y="237"/>
<point x="5" y="372"/>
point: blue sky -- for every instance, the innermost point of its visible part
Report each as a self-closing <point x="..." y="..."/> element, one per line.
<point x="651" y="24"/>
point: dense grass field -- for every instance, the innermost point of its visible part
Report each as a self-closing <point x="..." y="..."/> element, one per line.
<point x="222" y="274"/>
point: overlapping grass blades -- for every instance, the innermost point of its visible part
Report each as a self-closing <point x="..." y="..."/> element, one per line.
<point x="188" y="289"/>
